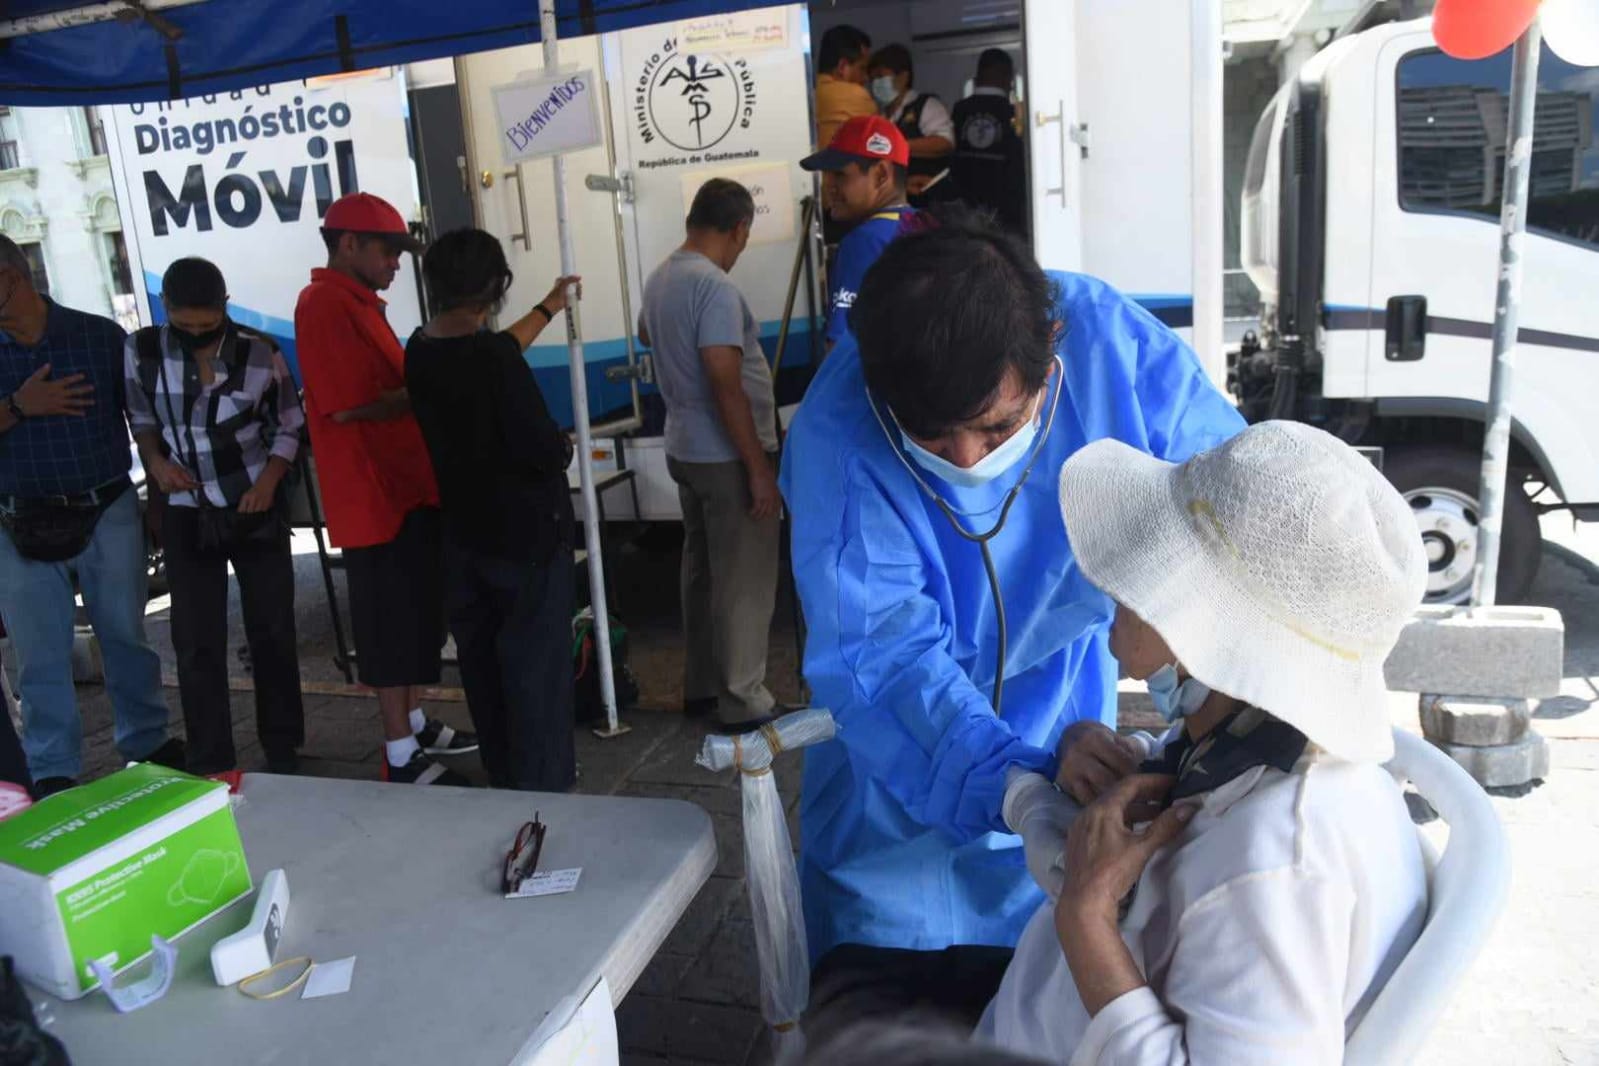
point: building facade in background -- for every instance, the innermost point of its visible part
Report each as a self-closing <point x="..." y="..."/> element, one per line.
<point x="57" y="203"/>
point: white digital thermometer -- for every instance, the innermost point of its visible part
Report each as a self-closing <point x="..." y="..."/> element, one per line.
<point x="251" y="949"/>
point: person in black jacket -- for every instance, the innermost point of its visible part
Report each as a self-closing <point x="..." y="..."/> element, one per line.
<point x="501" y="463"/>
<point x="990" y="164"/>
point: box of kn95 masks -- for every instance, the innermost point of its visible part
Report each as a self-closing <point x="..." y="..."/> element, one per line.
<point x="91" y="873"/>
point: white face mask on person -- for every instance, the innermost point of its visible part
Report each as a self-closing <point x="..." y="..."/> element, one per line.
<point x="883" y="90"/>
<point x="1176" y="699"/>
<point x="1008" y="454"/>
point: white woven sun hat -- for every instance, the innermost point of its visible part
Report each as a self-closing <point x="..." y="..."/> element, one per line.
<point x="1279" y="568"/>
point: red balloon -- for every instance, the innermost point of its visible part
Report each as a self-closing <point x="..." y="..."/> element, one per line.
<point x="1477" y="29"/>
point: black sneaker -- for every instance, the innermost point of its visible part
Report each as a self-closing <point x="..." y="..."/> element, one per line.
<point x="437" y="738"/>
<point x="736" y="729"/>
<point x="174" y="755"/>
<point x="422" y="770"/>
<point x="49" y="786"/>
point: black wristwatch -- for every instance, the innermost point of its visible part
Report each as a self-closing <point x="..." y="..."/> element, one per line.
<point x="548" y="317"/>
<point x="15" y="408"/>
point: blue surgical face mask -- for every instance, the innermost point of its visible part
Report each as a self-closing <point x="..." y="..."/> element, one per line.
<point x="1015" y="448"/>
<point x="883" y="90"/>
<point x="1176" y="699"/>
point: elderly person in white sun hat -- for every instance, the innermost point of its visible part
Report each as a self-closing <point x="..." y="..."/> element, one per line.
<point x="1274" y="880"/>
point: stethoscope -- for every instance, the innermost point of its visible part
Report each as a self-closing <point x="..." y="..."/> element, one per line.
<point x="982" y="539"/>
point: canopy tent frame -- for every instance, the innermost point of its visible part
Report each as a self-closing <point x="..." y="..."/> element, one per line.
<point x="120" y="10"/>
<point x="580" y="410"/>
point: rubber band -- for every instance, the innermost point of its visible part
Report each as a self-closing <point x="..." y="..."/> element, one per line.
<point x="769" y="731"/>
<point x="785" y="1027"/>
<point x="270" y="970"/>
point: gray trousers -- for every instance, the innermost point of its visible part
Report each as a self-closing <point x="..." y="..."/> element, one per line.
<point x="729" y="580"/>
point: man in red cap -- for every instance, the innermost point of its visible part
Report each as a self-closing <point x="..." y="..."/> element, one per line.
<point x="869" y="160"/>
<point x="376" y="479"/>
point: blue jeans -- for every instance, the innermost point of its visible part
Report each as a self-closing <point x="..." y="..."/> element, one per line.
<point x="36" y="604"/>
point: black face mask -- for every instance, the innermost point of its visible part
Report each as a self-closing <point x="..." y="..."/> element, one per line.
<point x="193" y="342"/>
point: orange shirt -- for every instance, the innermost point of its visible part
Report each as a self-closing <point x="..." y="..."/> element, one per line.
<point x="372" y="474"/>
<point x="838" y="101"/>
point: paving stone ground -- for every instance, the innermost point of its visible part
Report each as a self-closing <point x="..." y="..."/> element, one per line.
<point x="1533" y="997"/>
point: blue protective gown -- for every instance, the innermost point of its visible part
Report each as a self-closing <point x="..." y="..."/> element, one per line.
<point x="902" y="844"/>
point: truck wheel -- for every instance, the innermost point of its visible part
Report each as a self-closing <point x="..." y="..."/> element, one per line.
<point x="1441" y="486"/>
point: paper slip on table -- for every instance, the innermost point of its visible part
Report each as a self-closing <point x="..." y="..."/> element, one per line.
<point x="407" y="879"/>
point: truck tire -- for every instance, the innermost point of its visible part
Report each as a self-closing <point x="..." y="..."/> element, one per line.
<point x="1441" y="484"/>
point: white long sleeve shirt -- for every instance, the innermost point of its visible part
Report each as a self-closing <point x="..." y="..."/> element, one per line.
<point x="1263" y="931"/>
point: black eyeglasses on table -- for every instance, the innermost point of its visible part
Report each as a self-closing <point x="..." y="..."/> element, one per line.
<point x="522" y="861"/>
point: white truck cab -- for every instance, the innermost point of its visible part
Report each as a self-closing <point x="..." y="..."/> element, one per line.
<point x="1370" y="225"/>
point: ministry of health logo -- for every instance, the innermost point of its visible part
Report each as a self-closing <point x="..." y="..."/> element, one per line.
<point x="692" y="100"/>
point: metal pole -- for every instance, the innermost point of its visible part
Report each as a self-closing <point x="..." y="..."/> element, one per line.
<point x="793" y="284"/>
<point x="1507" y="314"/>
<point x="580" y="412"/>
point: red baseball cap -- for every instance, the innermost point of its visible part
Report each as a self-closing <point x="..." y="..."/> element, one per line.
<point x="361" y="212"/>
<point x="865" y="139"/>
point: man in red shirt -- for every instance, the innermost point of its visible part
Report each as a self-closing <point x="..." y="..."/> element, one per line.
<point x="376" y="479"/>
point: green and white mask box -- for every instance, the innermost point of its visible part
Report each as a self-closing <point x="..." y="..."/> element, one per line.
<point x="90" y="873"/>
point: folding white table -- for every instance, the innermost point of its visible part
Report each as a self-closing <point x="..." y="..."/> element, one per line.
<point x="407" y="879"/>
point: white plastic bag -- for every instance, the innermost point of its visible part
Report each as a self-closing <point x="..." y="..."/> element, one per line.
<point x="769" y="867"/>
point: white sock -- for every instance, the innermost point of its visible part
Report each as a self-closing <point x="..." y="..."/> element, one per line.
<point x="400" y="751"/>
<point x="418" y="720"/>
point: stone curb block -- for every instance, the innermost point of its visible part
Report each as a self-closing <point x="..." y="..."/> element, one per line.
<point x="1493" y="652"/>
<point x="1503" y="765"/>
<point x="1474" y="722"/>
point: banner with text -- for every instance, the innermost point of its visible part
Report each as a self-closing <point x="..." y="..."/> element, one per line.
<point x="719" y="97"/>
<point x="244" y="178"/>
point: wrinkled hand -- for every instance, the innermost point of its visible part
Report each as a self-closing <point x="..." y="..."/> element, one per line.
<point x="1041" y="815"/>
<point x="40" y="396"/>
<point x="1105" y="855"/>
<point x="765" y="500"/>
<point x="1093" y="757"/>
<point x="259" y="498"/>
<point x="555" y="300"/>
<point x="171" y="478"/>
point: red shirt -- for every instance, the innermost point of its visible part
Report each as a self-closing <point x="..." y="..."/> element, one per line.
<point x="372" y="474"/>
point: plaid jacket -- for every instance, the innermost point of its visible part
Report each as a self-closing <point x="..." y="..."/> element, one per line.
<point x="60" y="454"/>
<point x="222" y="434"/>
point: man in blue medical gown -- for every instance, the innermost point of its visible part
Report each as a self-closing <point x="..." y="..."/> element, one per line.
<point x="970" y="371"/>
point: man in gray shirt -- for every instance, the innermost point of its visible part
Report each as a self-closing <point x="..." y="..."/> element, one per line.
<point x="721" y="448"/>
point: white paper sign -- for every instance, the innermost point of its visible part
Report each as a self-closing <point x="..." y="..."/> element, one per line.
<point x="768" y="184"/>
<point x="329" y="978"/>
<point x="548" y="115"/>
<point x="736" y="31"/>
<point x="575" y="1034"/>
<point x="549" y="883"/>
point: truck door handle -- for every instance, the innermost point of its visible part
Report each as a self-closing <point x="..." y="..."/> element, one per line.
<point x="526" y="236"/>
<point x="1042" y="119"/>
<point x="1406" y="339"/>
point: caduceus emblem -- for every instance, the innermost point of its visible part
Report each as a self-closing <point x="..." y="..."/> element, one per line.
<point x="694" y="74"/>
